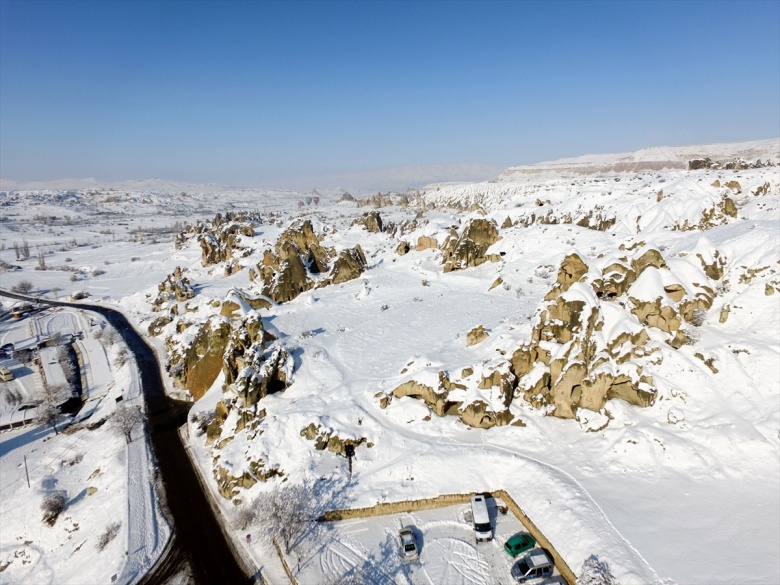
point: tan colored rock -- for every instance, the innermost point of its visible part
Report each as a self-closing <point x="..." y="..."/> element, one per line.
<point x="470" y="249"/>
<point x="156" y="326"/>
<point x="372" y="221"/>
<point x="675" y="291"/>
<point x="566" y="389"/>
<point x="204" y="359"/>
<point x="622" y="387"/>
<point x="228" y="308"/>
<point x="594" y="391"/>
<point x="476" y="335"/>
<point x="435" y="399"/>
<point x="403" y="248"/>
<point x="709" y="362"/>
<point x="724" y="313"/>
<point x="497" y="282"/>
<point x="479" y="415"/>
<point x="654" y="314"/>
<point x="350" y="263"/>
<point x="728" y="207"/>
<point x="652" y="258"/>
<point x="572" y="269"/>
<point x="714" y="269"/>
<point x="734" y="186"/>
<point x="427" y="243"/>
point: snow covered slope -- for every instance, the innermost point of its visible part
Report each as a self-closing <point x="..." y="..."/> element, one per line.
<point x="631" y="274"/>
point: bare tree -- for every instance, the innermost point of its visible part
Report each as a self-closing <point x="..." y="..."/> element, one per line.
<point x="23" y="287"/>
<point x="17" y="251"/>
<point x="25" y="249"/>
<point x="41" y="260"/>
<point x="48" y="414"/>
<point x="285" y="514"/>
<point x="125" y="419"/>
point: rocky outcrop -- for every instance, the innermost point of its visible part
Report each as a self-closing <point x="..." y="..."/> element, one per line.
<point x="371" y="221"/>
<point x="299" y="263"/>
<point x="427" y="243"/>
<point x="194" y="367"/>
<point x="350" y="263"/>
<point x="156" y="326"/>
<point x="403" y="248"/>
<point x="221" y="243"/>
<point x="435" y="398"/>
<point x="585" y="349"/>
<point x="470" y="248"/>
<point x="328" y="439"/>
<point x="449" y="398"/>
<point x="478" y="414"/>
<point x="230" y="485"/>
<point x="175" y="287"/>
<point x="476" y="335"/>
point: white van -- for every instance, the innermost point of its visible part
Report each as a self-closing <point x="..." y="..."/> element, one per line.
<point x="481" y="518"/>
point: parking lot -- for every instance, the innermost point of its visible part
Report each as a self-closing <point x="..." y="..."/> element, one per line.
<point x="448" y="551"/>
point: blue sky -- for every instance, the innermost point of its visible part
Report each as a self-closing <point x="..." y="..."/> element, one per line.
<point x="262" y="93"/>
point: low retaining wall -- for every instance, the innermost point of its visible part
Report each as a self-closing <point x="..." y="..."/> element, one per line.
<point x="445" y="500"/>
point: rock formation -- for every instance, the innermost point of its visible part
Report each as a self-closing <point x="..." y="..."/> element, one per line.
<point x="299" y="263"/>
<point x="470" y="248"/>
<point x="221" y="243"/>
<point x="585" y="349"/>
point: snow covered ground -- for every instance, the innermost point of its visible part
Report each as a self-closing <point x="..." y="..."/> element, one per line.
<point x="109" y="486"/>
<point x="448" y="551"/>
<point x="658" y="492"/>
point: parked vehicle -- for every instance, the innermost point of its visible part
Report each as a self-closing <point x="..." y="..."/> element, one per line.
<point x="481" y="518"/>
<point x="533" y="567"/>
<point x="519" y="543"/>
<point x="409" y="550"/>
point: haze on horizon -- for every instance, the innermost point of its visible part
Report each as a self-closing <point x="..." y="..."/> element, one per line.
<point x="289" y="94"/>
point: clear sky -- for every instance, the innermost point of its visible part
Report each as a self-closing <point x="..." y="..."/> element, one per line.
<point x="259" y="93"/>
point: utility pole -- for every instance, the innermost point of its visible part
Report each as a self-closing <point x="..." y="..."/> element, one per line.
<point x="25" y="471"/>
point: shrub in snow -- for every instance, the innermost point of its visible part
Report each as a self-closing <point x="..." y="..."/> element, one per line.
<point x="23" y="287"/>
<point x="52" y="506"/>
<point x="202" y="420"/>
<point x="108" y="535"/>
<point x="285" y="514"/>
<point x="121" y="358"/>
<point x="691" y="337"/>
<point x="245" y="517"/>
<point x="596" y="572"/>
<point x="698" y="317"/>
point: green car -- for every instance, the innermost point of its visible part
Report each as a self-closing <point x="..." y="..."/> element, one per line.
<point x="519" y="543"/>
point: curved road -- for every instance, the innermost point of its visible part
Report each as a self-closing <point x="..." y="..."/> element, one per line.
<point x="198" y="542"/>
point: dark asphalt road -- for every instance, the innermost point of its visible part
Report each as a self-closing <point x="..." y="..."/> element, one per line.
<point x="197" y="532"/>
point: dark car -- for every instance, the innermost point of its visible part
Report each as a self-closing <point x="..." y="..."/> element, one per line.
<point x="519" y="543"/>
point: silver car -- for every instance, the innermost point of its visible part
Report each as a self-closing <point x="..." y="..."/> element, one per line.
<point x="409" y="550"/>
